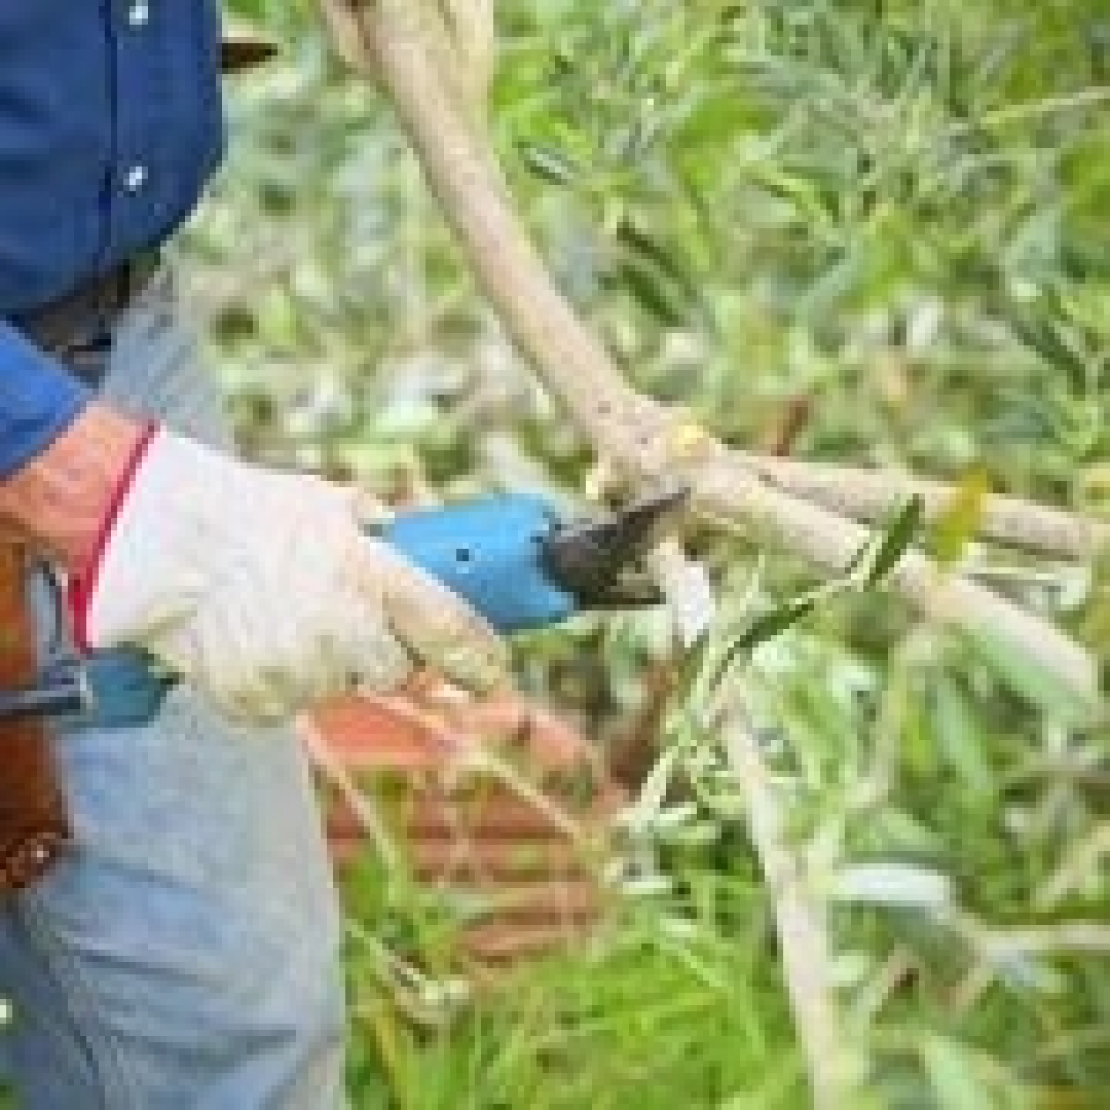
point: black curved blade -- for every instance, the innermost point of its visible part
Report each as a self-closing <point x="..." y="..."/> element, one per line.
<point x="599" y="562"/>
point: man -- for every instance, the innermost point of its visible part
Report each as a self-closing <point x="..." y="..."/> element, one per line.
<point x="183" y="952"/>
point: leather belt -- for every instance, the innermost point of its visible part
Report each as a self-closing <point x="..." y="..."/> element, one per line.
<point x="77" y="326"/>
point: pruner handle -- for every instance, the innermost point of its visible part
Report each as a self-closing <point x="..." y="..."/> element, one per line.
<point x="511" y="557"/>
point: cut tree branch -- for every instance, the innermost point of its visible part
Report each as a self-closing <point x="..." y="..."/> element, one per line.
<point x="871" y="495"/>
<point x="642" y="440"/>
<point x="799" y="920"/>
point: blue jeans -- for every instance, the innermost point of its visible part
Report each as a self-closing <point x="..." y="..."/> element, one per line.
<point x="185" y="953"/>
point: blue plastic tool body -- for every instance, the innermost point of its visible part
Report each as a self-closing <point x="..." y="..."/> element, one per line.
<point x="125" y="687"/>
<point x="488" y="551"/>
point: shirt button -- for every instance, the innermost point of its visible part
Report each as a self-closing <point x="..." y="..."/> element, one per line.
<point x="134" y="179"/>
<point x="138" y="12"/>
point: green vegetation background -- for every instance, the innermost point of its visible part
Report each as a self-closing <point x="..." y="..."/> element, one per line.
<point x="892" y="217"/>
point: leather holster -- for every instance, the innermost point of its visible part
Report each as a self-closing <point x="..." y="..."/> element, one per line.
<point x="34" y="823"/>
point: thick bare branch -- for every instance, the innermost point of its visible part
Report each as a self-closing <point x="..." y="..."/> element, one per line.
<point x="800" y="922"/>
<point x="457" y="35"/>
<point x="471" y="24"/>
<point x="870" y="495"/>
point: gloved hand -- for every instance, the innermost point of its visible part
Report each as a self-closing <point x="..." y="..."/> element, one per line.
<point x="259" y="588"/>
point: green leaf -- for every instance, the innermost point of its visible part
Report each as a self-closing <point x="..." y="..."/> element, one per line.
<point x="960" y="518"/>
<point x="548" y="163"/>
<point x="652" y="291"/>
<point x="897" y="540"/>
<point x="956" y="731"/>
<point x="762" y="629"/>
<point x="649" y="247"/>
<point x="954" y="1074"/>
<point x="1029" y="678"/>
<point x="858" y="558"/>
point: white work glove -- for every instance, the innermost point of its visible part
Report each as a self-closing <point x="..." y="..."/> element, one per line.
<point x="259" y="588"/>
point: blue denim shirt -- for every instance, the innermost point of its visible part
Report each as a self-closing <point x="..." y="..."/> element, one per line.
<point x="110" y="125"/>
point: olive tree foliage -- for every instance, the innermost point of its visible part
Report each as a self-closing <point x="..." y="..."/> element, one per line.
<point x="872" y="234"/>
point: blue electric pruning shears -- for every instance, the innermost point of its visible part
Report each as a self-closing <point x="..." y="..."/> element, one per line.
<point x="513" y="557"/>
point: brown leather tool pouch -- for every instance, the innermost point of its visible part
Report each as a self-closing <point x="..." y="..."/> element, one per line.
<point x="34" y="824"/>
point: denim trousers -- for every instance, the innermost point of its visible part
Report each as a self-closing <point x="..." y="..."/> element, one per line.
<point x="185" y="952"/>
